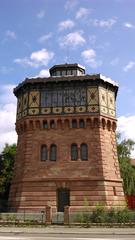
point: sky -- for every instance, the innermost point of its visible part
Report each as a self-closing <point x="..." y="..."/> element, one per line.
<point x="37" y="34"/>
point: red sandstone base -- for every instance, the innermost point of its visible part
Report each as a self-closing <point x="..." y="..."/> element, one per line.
<point x="37" y="184"/>
<point x="36" y="196"/>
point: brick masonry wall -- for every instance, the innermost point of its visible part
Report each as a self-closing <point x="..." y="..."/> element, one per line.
<point x="97" y="180"/>
<point x="37" y="195"/>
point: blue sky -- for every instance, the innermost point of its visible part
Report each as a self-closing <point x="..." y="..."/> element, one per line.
<point x="36" y="34"/>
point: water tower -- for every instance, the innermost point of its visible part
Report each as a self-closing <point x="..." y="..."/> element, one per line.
<point x="66" y="150"/>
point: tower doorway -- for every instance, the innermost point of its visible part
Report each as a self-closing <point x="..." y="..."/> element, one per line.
<point x="63" y="199"/>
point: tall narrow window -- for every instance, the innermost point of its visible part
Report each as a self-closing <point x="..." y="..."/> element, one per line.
<point x="81" y="123"/>
<point x="74" y="123"/>
<point x="84" y="151"/>
<point x="114" y="191"/>
<point x="74" y="152"/>
<point x="52" y="124"/>
<point x="45" y="124"/>
<point x="43" y="153"/>
<point x="53" y="152"/>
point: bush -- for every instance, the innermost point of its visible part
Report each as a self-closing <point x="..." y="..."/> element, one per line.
<point x="125" y="216"/>
<point x="111" y="216"/>
<point x="83" y="217"/>
<point x="98" y="214"/>
<point x="101" y="215"/>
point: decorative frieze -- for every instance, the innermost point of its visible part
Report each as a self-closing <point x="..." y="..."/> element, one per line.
<point x="86" y="100"/>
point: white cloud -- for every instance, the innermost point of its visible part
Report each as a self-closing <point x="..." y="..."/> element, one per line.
<point x="67" y="24"/>
<point x="82" y="13"/>
<point x="11" y="34"/>
<point x="104" y="23"/>
<point x="41" y="56"/>
<point x="126" y="125"/>
<point x="7" y="116"/>
<point x="44" y="73"/>
<point x="71" y="4"/>
<point x="6" y="94"/>
<point x="25" y="62"/>
<point x="129" y="66"/>
<point x="41" y="14"/>
<point x="89" y="57"/>
<point x="10" y="138"/>
<point x="72" y="39"/>
<point x="129" y="25"/>
<point x="36" y="59"/>
<point x="90" y="53"/>
<point x="45" y="37"/>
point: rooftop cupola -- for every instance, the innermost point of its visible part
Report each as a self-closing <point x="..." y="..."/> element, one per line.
<point x="67" y="70"/>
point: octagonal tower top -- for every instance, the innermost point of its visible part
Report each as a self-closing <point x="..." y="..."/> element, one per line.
<point x="68" y="90"/>
<point x="67" y="70"/>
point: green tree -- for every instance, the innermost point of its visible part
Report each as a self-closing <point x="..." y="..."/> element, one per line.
<point x="124" y="148"/>
<point x="6" y="170"/>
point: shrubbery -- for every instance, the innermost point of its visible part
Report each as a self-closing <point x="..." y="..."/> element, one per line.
<point x="101" y="215"/>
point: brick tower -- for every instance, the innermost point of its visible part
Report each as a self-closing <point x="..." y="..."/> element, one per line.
<point x="66" y="150"/>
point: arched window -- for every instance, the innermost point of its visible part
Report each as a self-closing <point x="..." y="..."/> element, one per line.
<point x="84" y="151"/>
<point x="74" y="123"/>
<point x="43" y="153"/>
<point x="53" y="152"/>
<point x="74" y="152"/>
<point x="52" y="124"/>
<point x="45" y="124"/>
<point x="81" y="123"/>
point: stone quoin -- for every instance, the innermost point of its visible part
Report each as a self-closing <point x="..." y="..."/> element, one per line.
<point x="66" y="150"/>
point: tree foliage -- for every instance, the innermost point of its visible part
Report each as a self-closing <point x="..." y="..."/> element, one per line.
<point x="127" y="170"/>
<point x="6" y="168"/>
